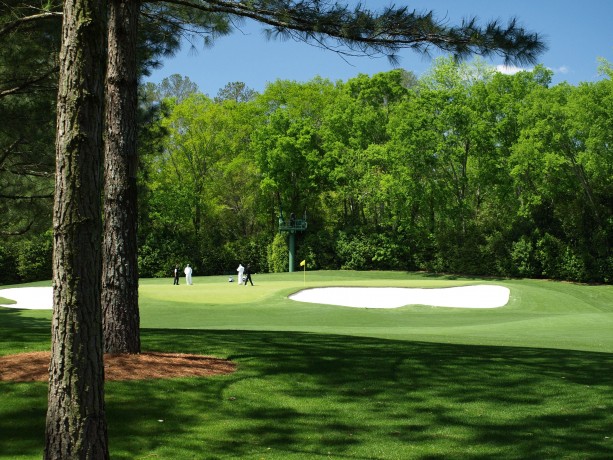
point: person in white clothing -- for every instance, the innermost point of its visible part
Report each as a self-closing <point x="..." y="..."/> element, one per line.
<point x="188" y="274"/>
<point x="240" y="271"/>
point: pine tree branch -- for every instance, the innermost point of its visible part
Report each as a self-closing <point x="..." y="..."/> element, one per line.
<point x="363" y="31"/>
<point x="9" y="150"/>
<point x="12" y="25"/>
<point x="28" y="83"/>
<point x="23" y="230"/>
<point x="26" y="197"/>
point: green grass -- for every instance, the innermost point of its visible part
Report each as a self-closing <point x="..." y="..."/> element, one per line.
<point x="530" y="380"/>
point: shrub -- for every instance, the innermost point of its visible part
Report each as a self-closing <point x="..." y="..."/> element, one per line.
<point x="35" y="258"/>
<point x="369" y="252"/>
<point x="277" y="254"/>
<point x="319" y="250"/>
<point x="8" y="264"/>
<point x="523" y="258"/>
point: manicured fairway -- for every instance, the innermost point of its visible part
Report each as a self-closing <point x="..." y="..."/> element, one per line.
<point x="529" y="380"/>
<point x="539" y="314"/>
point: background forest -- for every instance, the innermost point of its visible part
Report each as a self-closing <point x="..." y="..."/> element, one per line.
<point x="464" y="170"/>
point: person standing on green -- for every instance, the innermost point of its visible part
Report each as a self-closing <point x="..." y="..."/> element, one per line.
<point x="188" y="275"/>
<point x="241" y="271"/>
<point x="248" y="274"/>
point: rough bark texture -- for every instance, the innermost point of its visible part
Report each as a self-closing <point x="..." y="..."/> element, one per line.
<point x="121" y="322"/>
<point x="76" y="424"/>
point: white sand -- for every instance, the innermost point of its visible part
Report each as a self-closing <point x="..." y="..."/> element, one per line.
<point x="32" y="298"/>
<point x="480" y="296"/>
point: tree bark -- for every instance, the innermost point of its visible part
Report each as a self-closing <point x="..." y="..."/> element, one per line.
<point x="121" y="321"/>
<point x="76" y="422"/>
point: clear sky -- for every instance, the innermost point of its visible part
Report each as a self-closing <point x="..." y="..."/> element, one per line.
<point x="577" y="33"/>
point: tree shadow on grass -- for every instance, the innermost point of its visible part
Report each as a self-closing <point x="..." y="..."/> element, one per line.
<point x="300" y="395"/>
<point x="22" y="331"/>
<point x="307" y="395"/>
<point x="22" y="405"/>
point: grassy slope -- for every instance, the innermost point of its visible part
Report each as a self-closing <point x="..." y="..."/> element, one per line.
<point x="531" y="380"/>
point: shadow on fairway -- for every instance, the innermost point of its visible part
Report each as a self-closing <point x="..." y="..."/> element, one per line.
<point x="21" y="331"/>
<point x="305" y="395"/>
<point x="23" y="406"/>
<point x="298" y="395"/>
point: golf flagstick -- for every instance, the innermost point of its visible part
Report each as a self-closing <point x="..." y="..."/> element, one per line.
<point x="303" y="264"/>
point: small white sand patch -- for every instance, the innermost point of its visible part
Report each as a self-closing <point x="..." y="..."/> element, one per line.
<point x="479" y="296"/>
<point x="31" y="298"/>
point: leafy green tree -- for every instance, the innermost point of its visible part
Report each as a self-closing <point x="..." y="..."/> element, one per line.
<point x="560" y="162"/>
<point x="177" y="87"/>
<point x="355" y="137"/>
<point x="287" y="147"/>
<point x="234" y="187"/>
<point x="236" y="91"/>
<point x="501" y="226"/>
<point x="460" y="155"/>
<point x="197" y="139"/>
<point x="203" y="181"/>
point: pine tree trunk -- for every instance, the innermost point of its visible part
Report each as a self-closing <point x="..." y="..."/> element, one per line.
<point x="121" y="322"/>
<point x="76" y="424"/>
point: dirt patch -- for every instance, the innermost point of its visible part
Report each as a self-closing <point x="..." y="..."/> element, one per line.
<point x="34" y="366"/>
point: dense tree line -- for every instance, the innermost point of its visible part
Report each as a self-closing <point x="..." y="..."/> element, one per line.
<point x="464" y="170"/>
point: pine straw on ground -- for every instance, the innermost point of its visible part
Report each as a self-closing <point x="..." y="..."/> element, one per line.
<point x="34" y="366"/>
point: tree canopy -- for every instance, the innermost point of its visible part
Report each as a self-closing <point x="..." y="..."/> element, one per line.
<point x="464" y="170"/>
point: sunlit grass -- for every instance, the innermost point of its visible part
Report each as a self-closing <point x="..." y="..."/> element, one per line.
<point x="530" y="380"/>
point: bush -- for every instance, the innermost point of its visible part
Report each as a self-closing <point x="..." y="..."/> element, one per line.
<point x="561" y="261"/>
<point x="369" y="252"/>
<point x="319" y="250"/>
<point x="572" y="267"/>
<point x="498" y="255"/>
<point x="216" y="260"/>
<point x="256" y="253"/>
<point x="277" y="254"/>
<point x="522" y="255"/>
<point x="548" y="250"/>
<point x="35" y="258"/>
<point x="158" y="255"/>
<point x="8" y="264"/>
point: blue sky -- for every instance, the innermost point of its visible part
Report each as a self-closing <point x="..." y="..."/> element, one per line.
<point x="576" y="32"/>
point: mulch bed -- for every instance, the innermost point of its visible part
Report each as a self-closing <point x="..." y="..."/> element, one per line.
<point x="34" y="366"/>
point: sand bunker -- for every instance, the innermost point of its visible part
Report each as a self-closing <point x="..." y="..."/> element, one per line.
<point x="480" y="296"/>
<point x="31" y="298"/>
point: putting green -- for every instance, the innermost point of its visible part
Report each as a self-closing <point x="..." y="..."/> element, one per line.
<point x="539" y="313"/>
